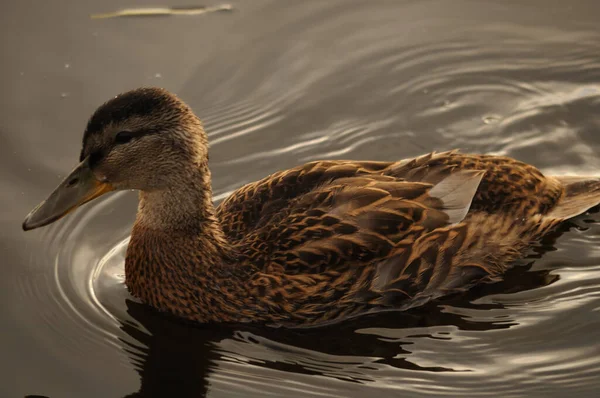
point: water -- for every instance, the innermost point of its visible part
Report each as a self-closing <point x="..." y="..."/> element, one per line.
<point x="278" y="84"/>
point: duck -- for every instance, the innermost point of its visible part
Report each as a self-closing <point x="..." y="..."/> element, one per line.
<point x="321" y="242"/>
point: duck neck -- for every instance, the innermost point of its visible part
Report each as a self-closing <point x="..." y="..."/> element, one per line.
<point x="185" y="212"/>
<point x="178" y="259"/>
<point x="184" y="206"/>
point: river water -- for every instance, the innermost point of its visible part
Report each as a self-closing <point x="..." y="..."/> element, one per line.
<point x="279" y="83"/>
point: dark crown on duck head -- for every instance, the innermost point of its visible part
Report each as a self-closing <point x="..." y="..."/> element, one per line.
<point x="158" y="107"/>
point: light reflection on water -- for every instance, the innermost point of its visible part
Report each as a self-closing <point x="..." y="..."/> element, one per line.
<point x="278" y="85"/>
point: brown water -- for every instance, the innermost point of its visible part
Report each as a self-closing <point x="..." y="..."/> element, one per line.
<point x="281" y="83"/>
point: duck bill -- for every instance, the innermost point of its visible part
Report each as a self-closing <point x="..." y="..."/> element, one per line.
<point x="78" y="188"/>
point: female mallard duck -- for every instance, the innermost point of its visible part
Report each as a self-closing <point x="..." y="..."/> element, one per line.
<point x="317" y="243"/>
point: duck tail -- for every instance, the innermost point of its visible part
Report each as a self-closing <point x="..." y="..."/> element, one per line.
<point x="580" y="194"/>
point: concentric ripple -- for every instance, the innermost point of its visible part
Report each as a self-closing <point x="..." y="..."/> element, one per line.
<point x="284" y="83"/>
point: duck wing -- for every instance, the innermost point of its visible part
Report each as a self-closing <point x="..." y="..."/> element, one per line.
<point x="256" y="203"/>
<point x="351" y="222"/>
<point x="334" y="239"/>
<point x="580" y="194"/>
<point x="508" y="186"/>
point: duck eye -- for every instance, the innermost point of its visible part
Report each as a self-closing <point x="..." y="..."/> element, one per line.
<point x="123" y="137"/>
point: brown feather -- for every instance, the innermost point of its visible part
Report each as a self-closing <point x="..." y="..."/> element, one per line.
<point x="334" y="239"/>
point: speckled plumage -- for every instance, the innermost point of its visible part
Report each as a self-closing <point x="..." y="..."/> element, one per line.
<point x="317" y="243"/>
<point x="331" y="240"/>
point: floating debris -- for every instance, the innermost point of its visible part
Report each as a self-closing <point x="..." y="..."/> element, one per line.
<point x="491" y="119"/>
<point x="162" y="11"/>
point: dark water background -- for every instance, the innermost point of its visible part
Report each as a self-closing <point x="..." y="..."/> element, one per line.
<point x="280" y="83"/>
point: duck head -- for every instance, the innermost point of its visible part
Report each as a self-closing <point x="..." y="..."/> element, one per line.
<point x="146" y="139"/>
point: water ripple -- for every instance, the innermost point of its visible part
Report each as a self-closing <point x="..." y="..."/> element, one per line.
<point x="332" y="81"/>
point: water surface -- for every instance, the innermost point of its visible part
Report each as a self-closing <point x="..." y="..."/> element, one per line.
<point x="278" y="84"/>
